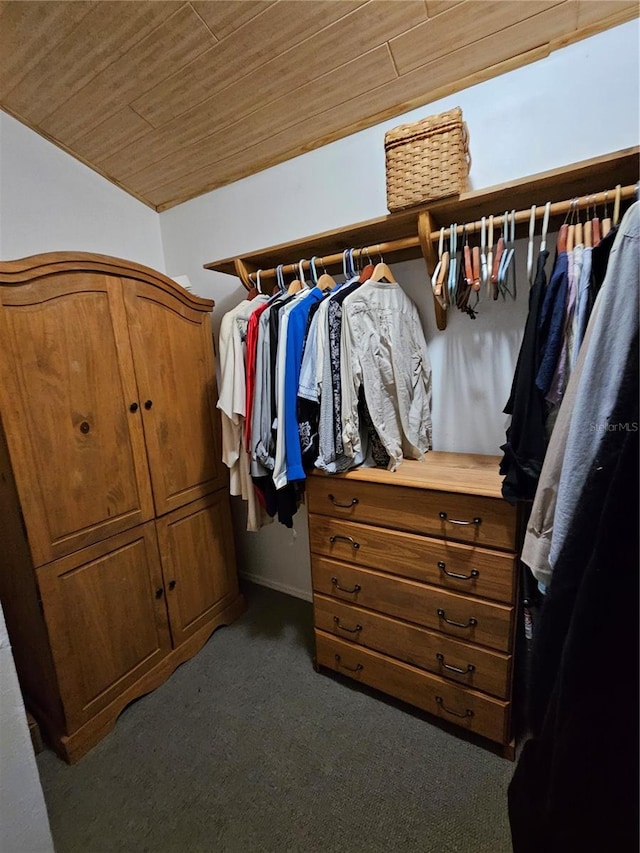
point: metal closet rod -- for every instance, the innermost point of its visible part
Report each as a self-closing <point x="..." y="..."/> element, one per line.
<point x="378" y="249"/>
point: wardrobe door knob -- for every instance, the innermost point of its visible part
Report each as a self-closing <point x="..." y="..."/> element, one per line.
<point x="133" y="407"/>
<point x="148" y="404"/>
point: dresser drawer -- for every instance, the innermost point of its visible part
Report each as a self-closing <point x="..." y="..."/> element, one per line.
<point x="461" y="568"/>
<point x="476" y="620"/>
<point x="474" y="519"/>
<point x="466" y="708"/>
<point x="470" y="666"/>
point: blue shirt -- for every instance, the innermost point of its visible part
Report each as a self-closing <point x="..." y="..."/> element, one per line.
<point x="295" y="342"/>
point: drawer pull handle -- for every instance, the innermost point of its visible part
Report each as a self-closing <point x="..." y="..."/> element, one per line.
<point x="355" y="668"/>
<point x="356" y="587"/>
<point x="470" y="624"/>
<point x="355" y="545"/>
<point x="467" y="713"/>
<point x="354" y="501"/>
<point x="444" y="517"/>
<point x="470" y="666"/>
<point x="355" y="630"/>
<point x="443" y="568"/>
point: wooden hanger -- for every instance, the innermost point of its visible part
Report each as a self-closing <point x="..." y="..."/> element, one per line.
<point x="382" y="272"/>
<point x="605" y="225"/>
<point x="579" y="230"/>
<point x="255" y="290"/>
<point x="325" y="282"/>
<point x="367" y="271"/>
<point x="298" y="283"/>
<point x="616" y="205"/>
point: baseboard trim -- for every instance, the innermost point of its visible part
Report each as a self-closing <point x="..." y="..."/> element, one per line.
<point x="277" y="585"/>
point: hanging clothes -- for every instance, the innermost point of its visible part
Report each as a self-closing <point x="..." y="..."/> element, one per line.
<point x="384" y="351"/>
<point x="576" y="783"/>
<point x="526" y="442"/>
<point x="592" y="391"/>
<point x="232" y="404"/>
<point x="552" y="322"/>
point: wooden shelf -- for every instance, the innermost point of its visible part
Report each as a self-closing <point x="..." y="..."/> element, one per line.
<point x="408" y="235"/>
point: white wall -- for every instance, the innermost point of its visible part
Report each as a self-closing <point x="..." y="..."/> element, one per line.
<point x="580" y="102"/>
<point x="24" y="825"/>
<point x="50" y="202"/>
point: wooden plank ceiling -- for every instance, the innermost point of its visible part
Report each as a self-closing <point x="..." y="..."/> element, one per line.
<point x="173" y="99"/>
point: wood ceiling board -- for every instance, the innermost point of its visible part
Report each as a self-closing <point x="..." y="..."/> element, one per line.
<point x="320" y="98"/>
<point x="117" y="131"/>
<point x="594" y="11"/>
<point x="273" y="31"/>
<point x="282" y="75"/>
<point x="435" y="7"/>
<point x="167" y="49"/>
<point x="460" y="69"/>
<point x="224" y="16"/>
<point x="107" y="32"/>
<point x="355" y="113"/>
<point x="462" y="26"/>
<point x="29" y="31"/>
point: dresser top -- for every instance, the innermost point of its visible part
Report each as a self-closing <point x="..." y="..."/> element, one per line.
<point x="468" y="473"/>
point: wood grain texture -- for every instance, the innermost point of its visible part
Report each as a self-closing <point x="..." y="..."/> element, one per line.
<point x="224" y="16"/>
<point x="30" y="31"/>
<point x="68" y="384"/>
<point x="74" y="746"/>
<point x="106" y="625"/>
<point x="77" y="364"/>
<point x="164" y="51"/>
<point x="323" y="95"/>
<point x="414" y="602"/>
<point x="416" y="557"/>
<point x="19" y="597"/>
<point x="490" y="670"/>
<point x="107" y="32"/>
<point x="198" y="563"/>
<point x="489" y="717"/>
<point x="276" y="29"/>
<point x="175" y="372"/>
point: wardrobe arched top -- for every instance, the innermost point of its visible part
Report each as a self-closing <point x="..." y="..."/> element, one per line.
<point x="24" y="270"/>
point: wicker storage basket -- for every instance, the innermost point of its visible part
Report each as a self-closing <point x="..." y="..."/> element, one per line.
<point x="426" y="160"/>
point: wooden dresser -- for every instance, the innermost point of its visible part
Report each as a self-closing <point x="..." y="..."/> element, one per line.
<point x="414" y="585"/>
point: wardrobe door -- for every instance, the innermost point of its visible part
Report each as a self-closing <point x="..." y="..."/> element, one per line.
<point x="173" y="356"/>
<point x="106" y="617"/>
<point x="69" y="406"/>
<point x="198" y="563"/>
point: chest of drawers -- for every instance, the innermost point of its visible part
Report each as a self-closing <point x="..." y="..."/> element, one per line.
<point x="414" y="586"/>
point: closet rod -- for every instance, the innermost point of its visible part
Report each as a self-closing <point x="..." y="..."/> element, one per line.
<point x="557" y="208"/>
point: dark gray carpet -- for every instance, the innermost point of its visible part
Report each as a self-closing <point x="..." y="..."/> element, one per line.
<point x="246" y="749"/>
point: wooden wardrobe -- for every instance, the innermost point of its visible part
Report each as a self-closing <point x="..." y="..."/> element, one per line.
<point x="117" y="558"/>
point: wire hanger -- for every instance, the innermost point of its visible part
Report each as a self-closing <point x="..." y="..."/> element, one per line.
<point x="280" y="277"/>
<point x="489" y="276"/>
